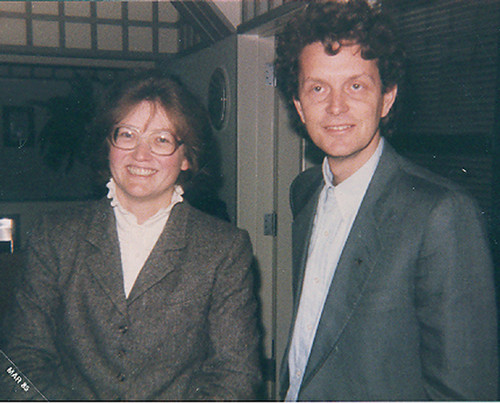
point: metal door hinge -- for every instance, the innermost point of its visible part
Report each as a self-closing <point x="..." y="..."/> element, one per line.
<point x="271" y="224"/>
<point x="270" y="79"/>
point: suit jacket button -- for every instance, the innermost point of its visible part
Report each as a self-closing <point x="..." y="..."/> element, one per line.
<point x="123" y="329"/>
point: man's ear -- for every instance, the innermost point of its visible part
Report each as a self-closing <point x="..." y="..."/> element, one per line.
<point x="298" y="107"/>
<point x="388" y="100"/>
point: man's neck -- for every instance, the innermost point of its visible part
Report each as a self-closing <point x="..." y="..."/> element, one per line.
<point x="343" y="167"/>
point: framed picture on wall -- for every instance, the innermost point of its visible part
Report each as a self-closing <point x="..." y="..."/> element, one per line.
<point x="18" y="126"/>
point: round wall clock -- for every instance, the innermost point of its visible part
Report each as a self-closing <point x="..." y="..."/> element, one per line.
<point x="218" y="98"/>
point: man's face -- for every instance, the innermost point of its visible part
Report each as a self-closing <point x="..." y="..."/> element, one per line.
<point x="341" y="103"/>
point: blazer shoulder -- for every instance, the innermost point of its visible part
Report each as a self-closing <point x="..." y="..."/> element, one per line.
<point x="209" y="228"/>
<point x="66" y="219"/>
<point x="423" y="190"/>
<point x="417" y="178"/>
<point x="62" y="227"/>
<point x="303" y="188"/>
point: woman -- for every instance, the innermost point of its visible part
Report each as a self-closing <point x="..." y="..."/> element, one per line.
<point x="140" y="296"/>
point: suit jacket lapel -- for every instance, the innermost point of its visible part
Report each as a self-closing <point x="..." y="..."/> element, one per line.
<point x="166" y="254"/>
<point x="104" y="259"/>
<point x="302" y="228"/>
<point x="357" y="261"/>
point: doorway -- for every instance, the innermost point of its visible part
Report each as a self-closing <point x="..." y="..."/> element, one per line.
<point x="269" y="157"/>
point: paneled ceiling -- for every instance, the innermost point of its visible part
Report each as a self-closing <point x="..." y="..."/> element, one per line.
<point x="119" y="30"/>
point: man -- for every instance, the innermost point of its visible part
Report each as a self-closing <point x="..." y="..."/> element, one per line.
<point x="393" y="281"/>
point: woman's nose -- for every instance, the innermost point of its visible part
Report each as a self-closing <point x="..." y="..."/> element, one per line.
<point x="143" y="150"/>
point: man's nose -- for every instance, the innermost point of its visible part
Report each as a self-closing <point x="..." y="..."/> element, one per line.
<point x="337" y="103"/>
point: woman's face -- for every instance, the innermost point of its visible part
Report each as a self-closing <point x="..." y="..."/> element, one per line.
<point x="142" y="177"/>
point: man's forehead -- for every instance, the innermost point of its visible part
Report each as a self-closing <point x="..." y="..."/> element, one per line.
<point x="316" y="55"/>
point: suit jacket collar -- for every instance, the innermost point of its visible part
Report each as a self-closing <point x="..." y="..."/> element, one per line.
<point x="105" y="260"/>
<point x="166" y="254"/>
<point x="357" y="260"/>
<point x="302" y="229"/>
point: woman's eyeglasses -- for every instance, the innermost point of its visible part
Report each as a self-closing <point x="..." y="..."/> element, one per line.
<point x="160" y="142"/>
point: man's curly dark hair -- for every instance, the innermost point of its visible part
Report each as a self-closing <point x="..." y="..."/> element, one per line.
<point x="335" y="23"/>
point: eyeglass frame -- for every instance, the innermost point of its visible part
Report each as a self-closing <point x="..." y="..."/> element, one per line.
<point x="178" y="143"/>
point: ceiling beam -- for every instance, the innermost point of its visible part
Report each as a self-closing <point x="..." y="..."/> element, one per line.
<point x="205" y="18"/>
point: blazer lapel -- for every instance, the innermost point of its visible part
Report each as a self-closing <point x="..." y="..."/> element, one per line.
<point x="104" y="259"/>
<point x="301" y="234"/>
<point x="166" y="254"/>
<point x="356" y="263"/>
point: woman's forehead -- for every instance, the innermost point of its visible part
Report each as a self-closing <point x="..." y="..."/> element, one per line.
<point x="146" y="113"/>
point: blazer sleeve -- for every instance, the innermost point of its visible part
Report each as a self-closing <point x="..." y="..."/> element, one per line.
<point x="455" y="302"/>
<point x="31" y="323"/>
<point x="232" y="368"/>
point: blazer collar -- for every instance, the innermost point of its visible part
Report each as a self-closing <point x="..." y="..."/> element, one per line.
<point x="369" y="211"/>
<point x="302" y="228"/>
<point x="105" y="263"/>
<point x="357" y="261"/>
<point x="104" y="259"/>
<point x="166" y="254"/>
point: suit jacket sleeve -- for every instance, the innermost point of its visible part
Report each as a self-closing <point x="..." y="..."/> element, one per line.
<point x="231" y="371"/>
<point x="455" y="304"/>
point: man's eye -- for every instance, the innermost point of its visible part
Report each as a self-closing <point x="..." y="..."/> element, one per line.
<point x="357" y="86"/>
<point x="317" y="88"/>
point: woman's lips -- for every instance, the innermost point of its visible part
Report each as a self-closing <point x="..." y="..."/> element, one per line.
<point x="138" y="171"/>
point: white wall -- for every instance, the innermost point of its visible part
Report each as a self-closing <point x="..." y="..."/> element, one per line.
<point x="195" y="71"/>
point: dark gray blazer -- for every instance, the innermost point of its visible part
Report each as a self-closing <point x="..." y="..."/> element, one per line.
<point x="188" y="330"/>
<point x="410" y="314"/>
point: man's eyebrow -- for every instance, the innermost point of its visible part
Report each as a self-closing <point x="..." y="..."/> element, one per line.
<point x="314" y="79"/>
<point x="348" y="78"/>
<point x="363" y="75"/>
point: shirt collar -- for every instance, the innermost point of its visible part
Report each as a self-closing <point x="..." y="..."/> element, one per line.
<point x="131" y="218"/>
<point x="350" y="192"/>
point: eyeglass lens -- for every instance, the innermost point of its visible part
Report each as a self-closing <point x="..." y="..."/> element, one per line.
<point x="161" y="142"/>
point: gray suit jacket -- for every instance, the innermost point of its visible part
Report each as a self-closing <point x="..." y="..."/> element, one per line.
<point x="188" y="329"/>
<point x="410" y="313"/>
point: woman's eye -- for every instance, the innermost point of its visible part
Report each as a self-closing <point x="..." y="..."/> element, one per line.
<point x="126" y="134"/>
<point x="164" y="139"/>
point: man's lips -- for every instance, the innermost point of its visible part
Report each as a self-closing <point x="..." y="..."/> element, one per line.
<point x="138" y="171"/>
<point x="338" y="128"/>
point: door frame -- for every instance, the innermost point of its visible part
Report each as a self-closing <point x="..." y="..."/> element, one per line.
<point x="269" y="156"/>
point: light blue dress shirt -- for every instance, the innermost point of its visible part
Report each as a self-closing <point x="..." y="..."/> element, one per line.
<point x="336" y="210"/>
